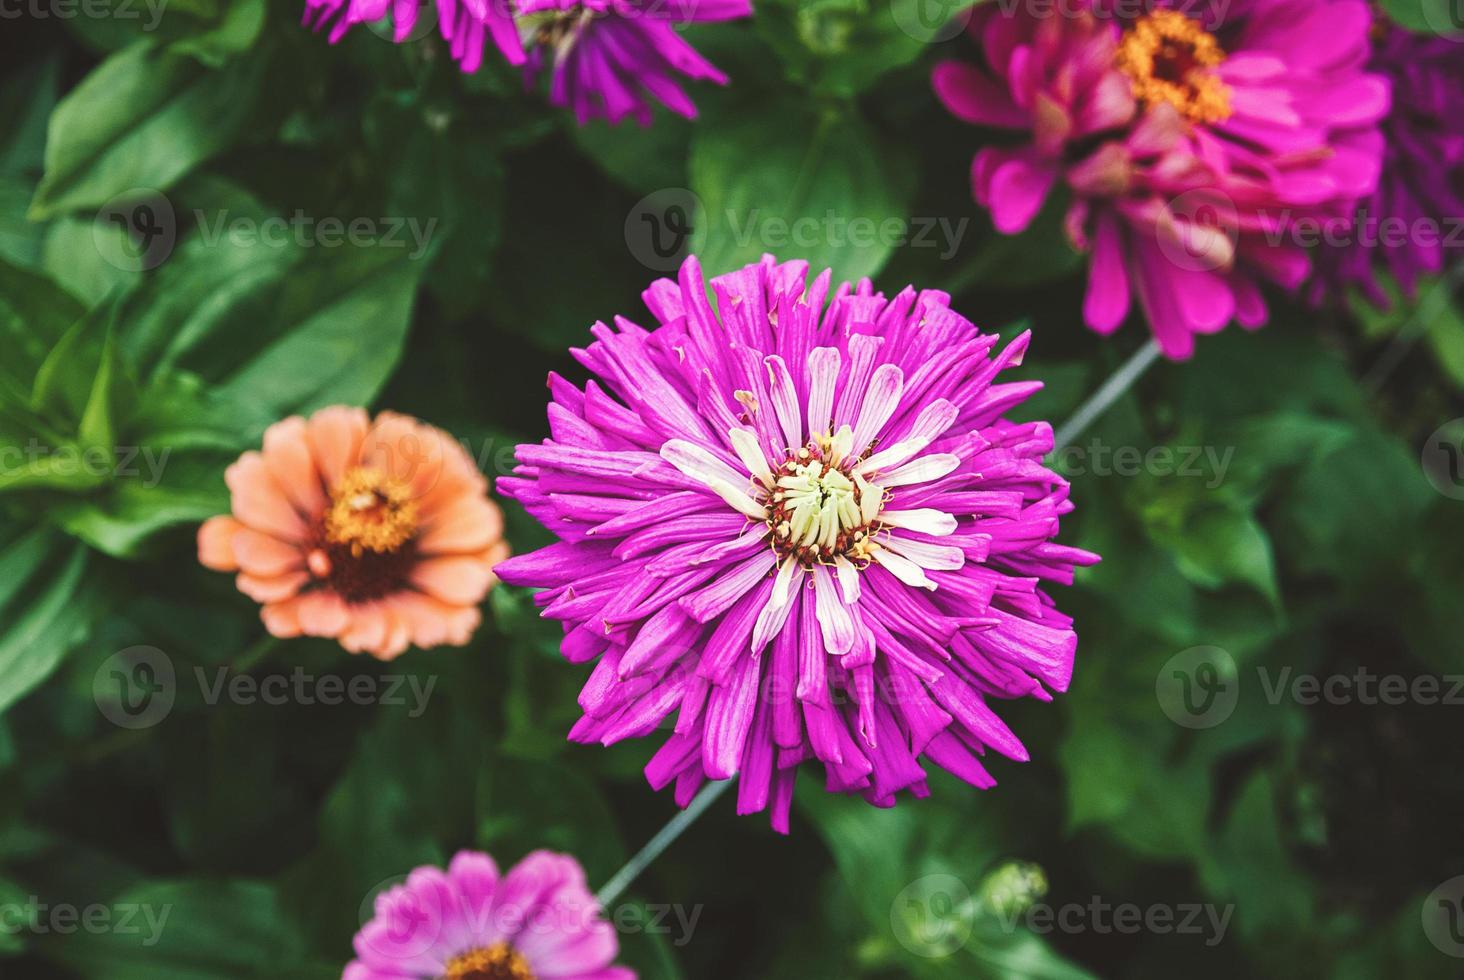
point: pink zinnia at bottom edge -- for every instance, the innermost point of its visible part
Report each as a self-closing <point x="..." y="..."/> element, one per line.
<point x="798" y="527"/>
<point x="538" y="922"/>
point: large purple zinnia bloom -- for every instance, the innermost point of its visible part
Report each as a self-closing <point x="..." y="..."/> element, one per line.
<point x="1413" y="220"/>
<point x="802" y="526"/>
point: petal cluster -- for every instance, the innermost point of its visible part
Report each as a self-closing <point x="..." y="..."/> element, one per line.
<point x="1415" y="220"/>
<point x="607" y="59"/>
<point x="1190" y="138"/>
<point x="378" y="533"/>
<point x="797" y="526"/>
<point x="538" y="922"/>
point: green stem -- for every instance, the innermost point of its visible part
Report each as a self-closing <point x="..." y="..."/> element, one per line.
<point x="1111" y="391"/>
<point x="663" y="839"/>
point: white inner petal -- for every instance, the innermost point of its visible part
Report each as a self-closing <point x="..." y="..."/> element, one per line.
<point x="711" y="472"/>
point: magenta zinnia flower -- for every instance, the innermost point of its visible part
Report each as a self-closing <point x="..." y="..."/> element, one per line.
<point x="538" y="922"/>
<point x="803" y="526"/>
<point x="1187" y="148"/>
<point x="1413" y="222"/>
<point x="608" y="59"/>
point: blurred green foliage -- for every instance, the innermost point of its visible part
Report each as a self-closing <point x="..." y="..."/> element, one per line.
<point x="1266" y="499"/>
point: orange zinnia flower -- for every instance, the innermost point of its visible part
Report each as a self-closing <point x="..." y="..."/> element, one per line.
<point x="378" y="533"/>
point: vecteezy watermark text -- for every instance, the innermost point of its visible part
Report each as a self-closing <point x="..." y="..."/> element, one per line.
<point x="839" y="231"/>
<point x="86" y="9"/>
<point x="1102" y="917"/>
<point x="307" y="231"/>
<point x="60" y="919"/>
<point x="137" y="687"/>
<point x="1100" y="459"/>
<point x="144" y="463"/>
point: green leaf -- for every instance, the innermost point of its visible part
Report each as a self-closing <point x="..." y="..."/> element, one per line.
<point x="43" y="614"/>
<point x="142" y="119"/>
<point x="1427" y="16"/>
<point x="818" y="186"/>
<point x="1221" y="545"/>
<point x="238" y="28"/>
<point x="153" y="488"/>
<point x="343" y="322"/>
<point x="843" y="47"/>
<point x="34" y="315"/>
<point x="191" y="930"/>
<point x="25" y="105"/>
<point x="12" y="932"/>
<point x="82" y="256"/>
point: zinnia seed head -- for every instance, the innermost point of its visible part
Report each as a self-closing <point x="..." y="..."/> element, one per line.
<point x="497" y="962"/>
<point x="1169" y="57"/>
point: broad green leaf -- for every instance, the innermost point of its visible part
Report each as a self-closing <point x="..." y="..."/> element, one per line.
<point x="344" y="318"/>
<point x="46" y="618"/>
<point x="1221" y="545"/>
<point x="819" y="186"/>
<point x="86" y="256"/>
<point x="192" y="930"/>
<point x="1442" y="17"/>
<point x="12" y="932"/>
<point x="142" y="120"/>
<point x="153" y="487"/>
<point x="843" y="47"/>
<point x="25" y="104"/>
<point x="34" y="315"/>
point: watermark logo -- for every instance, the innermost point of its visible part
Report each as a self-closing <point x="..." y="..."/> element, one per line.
<point x="932" y="917"/>
<point x="658" y="229"/>
<point x="1443" y="917"/>
<point x="424" y="23"/>
<point x="135" y="688"/>
<point x="1199" y="230"/>
<point x="1443" y="459"/>
<point x="138" y="687"/>
<point x="931" y="21"/>
<point x="1198" y="687"/>
<point x="1445" y="18"/>
<point x="148" y="225"/>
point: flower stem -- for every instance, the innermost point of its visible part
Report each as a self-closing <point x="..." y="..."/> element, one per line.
<point x="1428" y="310"/>
<point x="256" y="654"/>
<point x="663" y="839"/>
<point x="1101" y="400"/>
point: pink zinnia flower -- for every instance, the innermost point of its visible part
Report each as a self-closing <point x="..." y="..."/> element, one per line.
<point x="1188" y="147"/>
<point x="538" y="922"/>
<point x="803" y="527"/>
<point x="378" y="534"/>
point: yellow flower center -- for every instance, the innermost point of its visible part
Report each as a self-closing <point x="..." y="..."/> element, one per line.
<point x="497" y="962"/>
<point x="555" y="29"/>
<point x="368" y="512"/>
<point x="1170" y="58"/>
<point x="819" y="509"/>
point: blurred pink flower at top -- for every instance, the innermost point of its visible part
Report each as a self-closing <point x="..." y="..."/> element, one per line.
<point x="1189" y="143"/>
<point x="607" y="59"/>
<point x="378" y="534"/>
